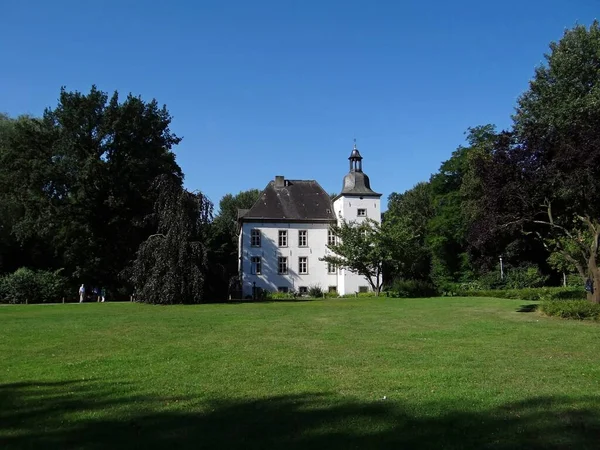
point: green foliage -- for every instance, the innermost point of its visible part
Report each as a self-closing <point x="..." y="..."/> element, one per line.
<point x="533" y="294"/>
<point x="527" y="276"/>
<point x="281" y="295"/>
<point x="75" y="184"/>
<point x="32" y="286"/>
<point x="355" y="295"/>
<point x="544" y="175"/>
<point x="365" y="247"/>
<point x="409" y="213"/>
<point x="572" y="309"/>
<point x="315" y="291"/>
<point x="413" y="289"/>
<point x="172" y="266"/>
<point x="453" y="189"/>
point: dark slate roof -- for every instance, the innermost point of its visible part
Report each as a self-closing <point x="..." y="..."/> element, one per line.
<point x="357" y="183"/>
<point x="242" y="213"/>
<point x="301" y="200"/>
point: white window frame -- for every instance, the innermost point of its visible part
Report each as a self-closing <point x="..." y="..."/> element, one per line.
<point x="361" y="210"/>
<point x="255" y="265"/>
<point x="363" y="289"/>
<point x="255" y="237"/>
<point x="303" y="260"/>
<point x="302" y="238"/>
<point x="282" y="240"/>
<point x="331" y="240"/>
<point x="283" y="289"/>
<point x="331" y="268"/>
<point x="303" y="290"/>
<point x="282" y="260"/>
<point x="332" y="289"/>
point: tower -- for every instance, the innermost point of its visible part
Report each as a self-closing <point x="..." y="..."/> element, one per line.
<point x="355" y="203"/>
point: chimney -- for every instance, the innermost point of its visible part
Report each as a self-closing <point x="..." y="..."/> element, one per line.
<point x="279" y="181"/>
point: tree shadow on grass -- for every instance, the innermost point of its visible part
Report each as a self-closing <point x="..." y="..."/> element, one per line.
<point x="91" y="415"/>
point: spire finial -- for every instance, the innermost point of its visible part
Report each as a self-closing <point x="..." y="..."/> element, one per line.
<point x="354" y="143"/>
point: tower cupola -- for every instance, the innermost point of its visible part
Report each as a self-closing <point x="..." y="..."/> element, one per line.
<point x="355" y="160"/>
<point x="356" y="182"/>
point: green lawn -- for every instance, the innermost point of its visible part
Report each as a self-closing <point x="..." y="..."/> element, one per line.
<point x="336" y="374"/>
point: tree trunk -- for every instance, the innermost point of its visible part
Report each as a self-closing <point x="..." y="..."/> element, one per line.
<point x="595" y="296"/>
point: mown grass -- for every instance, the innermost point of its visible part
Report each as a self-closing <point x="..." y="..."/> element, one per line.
<point x="348" y="373"/>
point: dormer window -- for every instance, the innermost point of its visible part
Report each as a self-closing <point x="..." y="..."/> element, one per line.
<point x="361" y="212"/>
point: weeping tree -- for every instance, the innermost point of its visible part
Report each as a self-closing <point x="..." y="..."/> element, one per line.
<point x="171" y="265"/>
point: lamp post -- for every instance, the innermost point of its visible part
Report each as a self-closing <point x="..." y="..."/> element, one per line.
<point x="501" y="269"/>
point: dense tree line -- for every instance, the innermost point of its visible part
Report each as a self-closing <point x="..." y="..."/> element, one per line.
<point x="92" y="189"/>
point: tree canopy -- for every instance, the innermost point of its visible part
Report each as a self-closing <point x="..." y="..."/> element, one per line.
<point x="543" y="176"/>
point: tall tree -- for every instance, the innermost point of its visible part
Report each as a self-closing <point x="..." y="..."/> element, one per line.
<point x="81" y="176"/>
<point x="544" y="177"/>
<point x="412" y="209"/>
<point x="449" y="226"/>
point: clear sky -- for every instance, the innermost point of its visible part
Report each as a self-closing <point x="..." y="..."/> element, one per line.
<point x="264" y="88"/>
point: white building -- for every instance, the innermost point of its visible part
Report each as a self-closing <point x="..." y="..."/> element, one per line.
<point x="285" y="233"/>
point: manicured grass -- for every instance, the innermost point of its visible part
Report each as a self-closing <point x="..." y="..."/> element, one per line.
<point x="352" y="373"/>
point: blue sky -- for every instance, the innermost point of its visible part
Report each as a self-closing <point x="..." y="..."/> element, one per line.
<point x="265" y="88"/>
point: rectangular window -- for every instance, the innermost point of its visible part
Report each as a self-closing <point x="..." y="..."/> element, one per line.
<point x="303" y="290"/>
<point x="303" y="265"/>
<point x="282" y="267"/>
<point x="361" y="212"/>
<point x="283" y="238"/>
<point x="255" y="238"/>
<point x="302" y="238"/>
<point x="283" y="289"/>
<point x="363" y="289"/>
<point x="256" y="265"/>
<point x="331" y="268"/>
<point x="332" y="289"/>
<point x="330" y="238"/>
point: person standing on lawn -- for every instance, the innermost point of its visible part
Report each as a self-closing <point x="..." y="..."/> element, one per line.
<point x="81" y="293"/>
<point x="103" y="294"/>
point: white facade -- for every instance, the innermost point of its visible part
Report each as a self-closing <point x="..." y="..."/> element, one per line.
<point x="269" y="252"/>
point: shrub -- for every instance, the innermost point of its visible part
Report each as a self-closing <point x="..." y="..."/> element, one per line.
<point x="527" y="276"/>
<point x="361" y="295"/>
<point x="315" y="291"/>
<point x="533" y="294"/>
<point x="291" y="294"/>
<point x="32" y="286"/>
<point x="571" y="309"/>
<point x="413" y="289"/>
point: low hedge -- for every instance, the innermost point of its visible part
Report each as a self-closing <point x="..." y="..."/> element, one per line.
<point x="533" y="294"/>
<point x="572" y="309"/>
